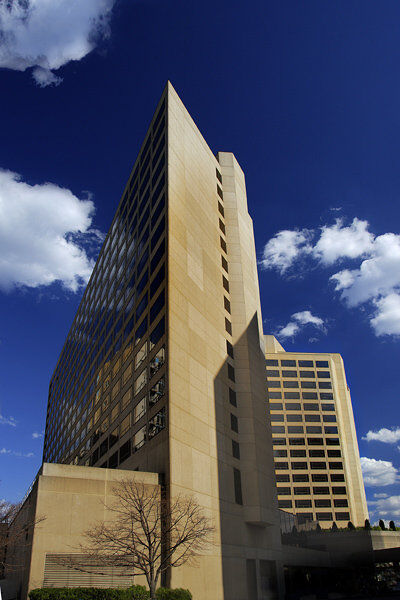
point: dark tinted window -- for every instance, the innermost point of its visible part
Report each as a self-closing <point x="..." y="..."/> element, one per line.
<point x="300" y="477"/>
<point x="309" y="395"/>
<point x="278" y="429"/>
<point x="279" y="441"/>
<point x="303" y="503"/>
<point x="272" y="373"/>
<point x="318" y="477"/>
<point x="157" y="306"/>
<point x="301" y="491"/>
<point x="234" y="423"/>
<point x="227" y="304"/>
<point x="157" y="332"/>
<point x="292" y="396"/>
<point x="286" y="373"/>
<point x="288" y="363"/>
<point x="331" y="429"/>
<point x="157" y="281"/>
<point x="292" y="406"/>
<point x="294" y="418"/>
<point x="297" y="453"/>
<point x="326" y="395"/>
<point x="307" y="374"/>
<point x="308" y="384"/>
<point x="297" y="441"/>
<point x="228" y="326"/>
<point x="290" y="384"/>
<point x="237" y="480"/>
<point x="235" y="449"/>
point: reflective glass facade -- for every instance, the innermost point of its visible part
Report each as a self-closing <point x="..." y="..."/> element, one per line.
<point x="108" y="394"/>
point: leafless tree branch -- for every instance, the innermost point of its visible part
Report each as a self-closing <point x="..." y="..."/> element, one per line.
<point x="146" y="534"/>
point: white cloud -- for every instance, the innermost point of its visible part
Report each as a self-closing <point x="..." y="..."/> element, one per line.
<point x="43" y="233"/>
<point x="376" y="278"/>
<point x="378" y="472"/>
<point x="381" y="495"/>
<point x="8" y="421"/>
<point x="298" y="321"/>
<point x="36" y="435"/>
<point x="284" y="248"/>
<point x="47" y="34"/>
<point x="387" y="436"/>
<point x="387" y="315"/>
<point x="386" y="506"/>
<point x="7" y="452"/>
<point x="337" y="241"/>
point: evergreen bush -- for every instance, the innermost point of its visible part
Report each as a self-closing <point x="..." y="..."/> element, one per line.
<point x="177" y="594"/>
<point x="137" y="592"/>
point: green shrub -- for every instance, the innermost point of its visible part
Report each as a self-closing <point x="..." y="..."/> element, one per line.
<point x="136" y="592"/>
<point x="176" y="594"/>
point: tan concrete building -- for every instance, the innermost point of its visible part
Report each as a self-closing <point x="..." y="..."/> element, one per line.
<point x="317" y="462"/>
<point x="63" y="503"/>
<point x="164" y="369"/>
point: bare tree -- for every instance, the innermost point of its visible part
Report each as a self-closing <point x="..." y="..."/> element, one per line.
<point x="16" y="528"/>
<point x="8" y="512"/>
<point x="147" y="535"/>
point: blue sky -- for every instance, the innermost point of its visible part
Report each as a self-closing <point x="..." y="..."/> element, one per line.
<point x="306" y="95"/>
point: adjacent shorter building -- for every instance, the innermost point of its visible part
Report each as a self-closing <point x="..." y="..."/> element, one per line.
<point x="63" y="503"/>
<point x="317" y="461"/>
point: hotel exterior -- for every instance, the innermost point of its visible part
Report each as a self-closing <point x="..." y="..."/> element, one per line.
<point x="163" y="369"/>
<point x="163" y="375"/>
<point x="317" y="462"/>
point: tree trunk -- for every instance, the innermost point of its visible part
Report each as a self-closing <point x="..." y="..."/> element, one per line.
<point x="153" y="589"/>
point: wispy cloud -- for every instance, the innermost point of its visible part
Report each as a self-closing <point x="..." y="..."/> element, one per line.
<point x="46" y="35"/>
<point x="7" y="452"/>
<point x="386" y="506"/>
<point x="45" y="235"/>
<point x="8" y="421"/>
<point x="36" y="435"/>
<point x="378" y="473"/>
<point x="298" y="322"/>
<point x="387" y="436"/>
<point x="374" y="280"/>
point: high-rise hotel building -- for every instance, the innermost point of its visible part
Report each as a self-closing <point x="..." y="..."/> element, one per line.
<point x="317" y="463"/>
<point x="163" y="369"/>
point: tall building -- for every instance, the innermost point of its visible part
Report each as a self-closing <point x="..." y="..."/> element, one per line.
<point x="163" y="369"/>
<point x="317" y="462"/>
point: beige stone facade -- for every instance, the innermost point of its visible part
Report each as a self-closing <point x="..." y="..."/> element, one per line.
<point x="317" y="461"/>
<point x="64" y="502"/>
<point x="219" y="443"/>
<point x="173" y="381"/>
